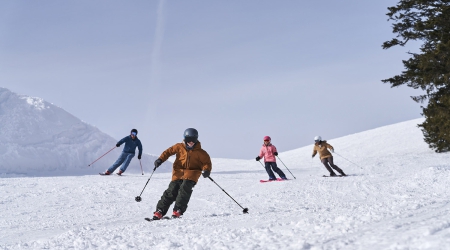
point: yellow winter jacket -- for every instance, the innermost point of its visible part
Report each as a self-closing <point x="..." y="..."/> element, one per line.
<point x="322" y="148"/>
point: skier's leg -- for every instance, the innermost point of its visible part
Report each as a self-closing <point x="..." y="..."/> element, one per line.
<point x="278" y="170"/>
<point x="325" y="163"/>
<point x="184" y="195"/>
<point x="269" y="171"/>
<point x="119" y="161"/>
<point x="126" y="162"/>
<point x="169" y="196"/>
<point x="330" y="159"/>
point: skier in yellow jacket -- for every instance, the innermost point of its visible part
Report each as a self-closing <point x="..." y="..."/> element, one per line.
<point x="325" y="156"/>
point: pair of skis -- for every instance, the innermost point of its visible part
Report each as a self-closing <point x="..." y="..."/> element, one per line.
<point x="278" y="179"/>
<point x="163" y="218"/>
<point x="103" y="174"/>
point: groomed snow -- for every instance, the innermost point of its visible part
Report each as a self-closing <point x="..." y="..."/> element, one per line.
<point x="396" y="198"/>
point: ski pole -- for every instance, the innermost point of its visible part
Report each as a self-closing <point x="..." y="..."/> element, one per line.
<point x="101" y="156"/>
<point x="262" y="164"/>
<point x="286" y="167"/>
<point x="245" y="211"/>
<point x="141" y="167"/>
<point x="138" y="198"/>
<point x="348" y="160"/>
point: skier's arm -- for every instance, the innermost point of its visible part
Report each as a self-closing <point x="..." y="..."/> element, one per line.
<point x="122" y="141"/>
<point x="330" y="147"/>
<point x="275" y="151"/>
<point x="261" y="153"/>
<point x="140" y="150"/>
<point x="314" y="152"/>
<point x="206" y="161"/>
<point x="168" y="153"/>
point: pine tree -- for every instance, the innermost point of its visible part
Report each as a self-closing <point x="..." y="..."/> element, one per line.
<point x="427" y="21"/>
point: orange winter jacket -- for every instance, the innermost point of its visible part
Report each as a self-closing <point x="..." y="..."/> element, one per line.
<point x="188" y="164"/>
<point x="322" y="148"/>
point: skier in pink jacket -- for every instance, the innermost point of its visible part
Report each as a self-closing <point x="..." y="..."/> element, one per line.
<point x="269" y="151"/>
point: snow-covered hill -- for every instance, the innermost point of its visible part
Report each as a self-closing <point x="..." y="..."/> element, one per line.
<point x="396" y="197"/>
<point x="38" y="138"/>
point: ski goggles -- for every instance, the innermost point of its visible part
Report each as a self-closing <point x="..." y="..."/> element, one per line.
<point x="133" y="133"/>
<point x="190" y="139"/>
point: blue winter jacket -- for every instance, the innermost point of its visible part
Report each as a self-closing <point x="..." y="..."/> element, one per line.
<point x="130" y="145"/>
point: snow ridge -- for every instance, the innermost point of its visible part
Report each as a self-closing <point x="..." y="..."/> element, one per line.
<point x="38" y="138"/>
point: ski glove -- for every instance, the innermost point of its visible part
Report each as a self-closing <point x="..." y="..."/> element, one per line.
<point x="158" y="163"/>
<point x="206" y="173"/>
<point x="312" y="156"/>
<point x="139" y="157"/>
<point x="258" y="158"/>
<point x="332" y="150"/>
<point x="276" y="153"/>
<point x="117" y="145"/>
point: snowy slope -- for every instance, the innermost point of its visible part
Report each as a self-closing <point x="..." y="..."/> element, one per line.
<point x="396" y="197"/>
<point x="38" y="138"/>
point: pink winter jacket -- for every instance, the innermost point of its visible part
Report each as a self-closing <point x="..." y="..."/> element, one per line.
<point x="267" y="153"/>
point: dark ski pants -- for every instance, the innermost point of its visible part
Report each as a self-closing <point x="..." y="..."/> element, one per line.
<point x="179" y="191"/>
<point x="328" y="163"/>
<point x="124" y="158"/>
<point x="275" y="168"/>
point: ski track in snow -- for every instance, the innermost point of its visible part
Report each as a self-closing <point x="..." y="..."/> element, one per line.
<point x="398" y="200"/>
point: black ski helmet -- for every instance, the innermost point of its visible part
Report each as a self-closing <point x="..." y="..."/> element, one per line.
<point x="190" y="135"/>
<point x="134" y="130"/>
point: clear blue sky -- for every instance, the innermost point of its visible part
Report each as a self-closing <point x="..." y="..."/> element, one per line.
<point x="235" y="70"/>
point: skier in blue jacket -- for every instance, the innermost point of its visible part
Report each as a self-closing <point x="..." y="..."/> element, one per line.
<point x="131" y="142"/>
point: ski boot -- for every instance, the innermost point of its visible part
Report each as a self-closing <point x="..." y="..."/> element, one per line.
<point x="119" y="173"/>
<point x="157" y="215"/>
<point x="176" y="214"/>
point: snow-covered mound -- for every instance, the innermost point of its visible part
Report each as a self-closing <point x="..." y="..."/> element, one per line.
<point x="365" y="151"/>
<point x="38" y="138"/>
<point x="395" y="197"/>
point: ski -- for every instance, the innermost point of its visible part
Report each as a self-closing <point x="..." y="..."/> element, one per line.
<point x="163" y="218"/>
<point x="334" y="175"/>
<point x="278" y="179"/>
<point x="103" y="174"/>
